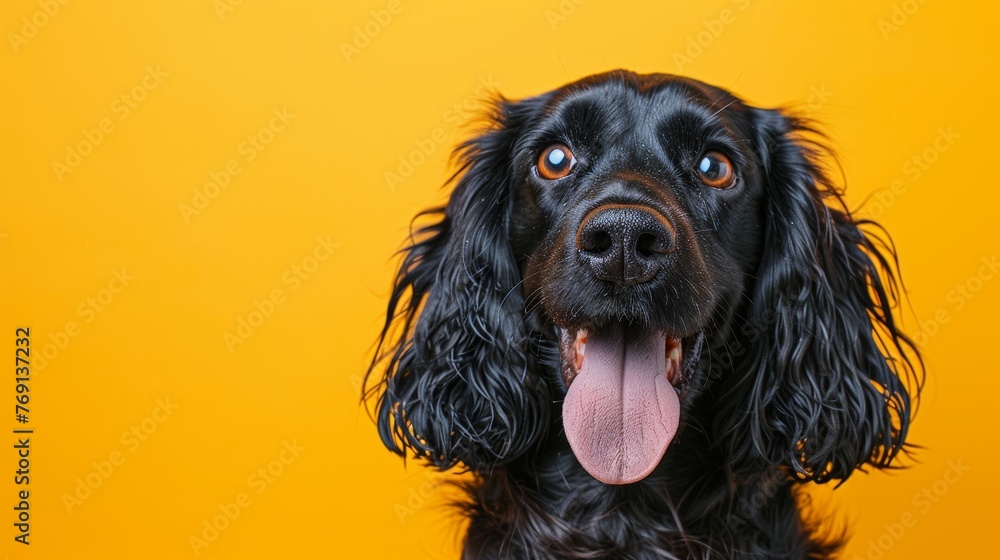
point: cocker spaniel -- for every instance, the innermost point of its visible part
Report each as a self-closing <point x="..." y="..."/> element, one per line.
<point x="642" y="320"/>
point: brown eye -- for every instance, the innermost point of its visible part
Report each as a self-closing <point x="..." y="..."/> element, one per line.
<point x="556" y="162"/>
<point x="716" y="170"/>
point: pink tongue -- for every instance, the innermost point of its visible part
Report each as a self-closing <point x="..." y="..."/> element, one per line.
<point x="620" y="412"/>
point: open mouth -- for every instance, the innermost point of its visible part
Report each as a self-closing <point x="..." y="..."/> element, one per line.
<point x="622" y="407"/>
<point x="573" y="348"/>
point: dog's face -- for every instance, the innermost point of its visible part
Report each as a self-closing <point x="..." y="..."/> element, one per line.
<point x="629" y="246"/>
<point x="637" y="214"/>
<point x="637" y="206"/>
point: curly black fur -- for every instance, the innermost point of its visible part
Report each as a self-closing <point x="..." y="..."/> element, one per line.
<point x="806" y="375"/>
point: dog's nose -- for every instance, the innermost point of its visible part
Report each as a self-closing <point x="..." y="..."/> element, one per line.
<point x="625" y="243"/>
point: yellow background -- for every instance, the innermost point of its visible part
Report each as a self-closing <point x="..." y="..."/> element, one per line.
<point x="919" y="84"/>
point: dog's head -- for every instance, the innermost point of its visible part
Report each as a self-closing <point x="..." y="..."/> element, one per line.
<point x="631" y="247"/>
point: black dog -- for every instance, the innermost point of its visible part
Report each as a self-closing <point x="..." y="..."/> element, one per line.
<point x="642" y="319"/>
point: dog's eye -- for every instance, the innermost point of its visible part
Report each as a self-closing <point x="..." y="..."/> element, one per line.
<point x="716" y="170"/>
<point x="556" y="162"/>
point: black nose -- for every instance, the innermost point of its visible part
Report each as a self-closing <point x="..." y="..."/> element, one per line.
<point x="624" y="243"/>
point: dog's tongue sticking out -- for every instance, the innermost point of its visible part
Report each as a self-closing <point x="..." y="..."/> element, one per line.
<point x="621" y="412"/>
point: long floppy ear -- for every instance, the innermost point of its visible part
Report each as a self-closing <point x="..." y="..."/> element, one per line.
<point x="460" y="384"/>
<point x="826" y="383"/>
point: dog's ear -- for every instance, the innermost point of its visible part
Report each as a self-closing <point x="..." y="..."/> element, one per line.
<point x="828" y="372"/>
<point x="460" y="383"/>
